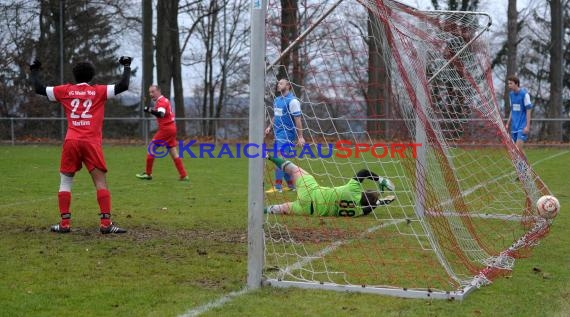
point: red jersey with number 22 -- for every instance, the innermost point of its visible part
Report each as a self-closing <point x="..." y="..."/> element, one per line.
<point x="84" y="109"/>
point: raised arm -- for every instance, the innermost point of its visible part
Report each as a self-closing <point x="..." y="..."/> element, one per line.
<point x="123" y="84"/>
<point x="39" y="87"/>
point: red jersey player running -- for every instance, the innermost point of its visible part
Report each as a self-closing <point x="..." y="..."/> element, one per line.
<point x="84" y="106"/>
<point x="166" y="134"/>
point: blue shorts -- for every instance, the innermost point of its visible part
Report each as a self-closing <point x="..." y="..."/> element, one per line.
<point x="518" y="135"/>
<point x="286" y="149"/>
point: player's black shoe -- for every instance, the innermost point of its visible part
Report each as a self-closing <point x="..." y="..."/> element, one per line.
<point x="59" y="228"/>
<point x="111" y="229"/>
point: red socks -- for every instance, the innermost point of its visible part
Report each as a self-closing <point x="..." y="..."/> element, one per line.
<point x="180" y="167"/>
<point x="104" y="200"/>
<point x="64" y="199"/>
<point x="149" y="162"/>
<point x="177" y="162"/>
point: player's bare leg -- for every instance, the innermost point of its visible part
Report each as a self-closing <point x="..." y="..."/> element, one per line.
<point x="288" y="167"/>
<point x="179" y="164"/>
<point x="64" y="201"/>
<point x="104" y="199"/>
<point x="294" y="171"/>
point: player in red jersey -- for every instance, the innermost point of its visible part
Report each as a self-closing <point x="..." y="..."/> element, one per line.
<point x="84" y="107"/>
<point x="166" y="134"/>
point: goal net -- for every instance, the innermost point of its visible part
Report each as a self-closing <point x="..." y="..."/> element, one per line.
<point x="407" y="94"/>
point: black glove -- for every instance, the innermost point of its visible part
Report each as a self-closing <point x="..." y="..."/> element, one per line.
<point x="125" y="61"/>
<point x="36" y="65"/>
<point x="146" y="109"/>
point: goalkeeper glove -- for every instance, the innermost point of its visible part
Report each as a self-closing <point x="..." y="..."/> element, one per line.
<point x="125" y="61"/>
<point x="385" y="184"/>
<point x="36" y="65"/>
<point x="146" y="109"/>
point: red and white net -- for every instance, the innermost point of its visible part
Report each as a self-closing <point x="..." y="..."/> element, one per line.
<point x="379" y="72"/>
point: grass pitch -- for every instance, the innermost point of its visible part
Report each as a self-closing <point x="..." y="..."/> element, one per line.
<point x="186" y="247"/>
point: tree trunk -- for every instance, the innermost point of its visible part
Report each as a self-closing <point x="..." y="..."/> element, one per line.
<point x="512" y="39"/>
<point x="376" y="98"/>
<point x="223" y="65"/>
<point x="556" y="70"/>
<point x="148" y="49"/>
<point x="168" y="56"/>
<point x="164" y="14"/>
<point x="205" y="95"/>
<point x="207" y="108"/>
<point x="179" y="110"/>
<point x="147" y="57"/>
<point x="212" y="86"/>
<point x="297" y="71"/>
<point x="289" y="32"/>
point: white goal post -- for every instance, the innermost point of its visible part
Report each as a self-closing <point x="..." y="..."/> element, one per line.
<point x="371" y="72"/>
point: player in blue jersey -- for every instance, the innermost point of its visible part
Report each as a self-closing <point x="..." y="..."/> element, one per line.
<point x="287" y="129"/>
<point x="520" y="115"/>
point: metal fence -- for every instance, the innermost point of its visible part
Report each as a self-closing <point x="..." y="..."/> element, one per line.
<point x="128" y="130"/>
<point x="139" y="130"/>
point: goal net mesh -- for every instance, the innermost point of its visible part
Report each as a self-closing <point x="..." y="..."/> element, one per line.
<point x="415" y="88"/>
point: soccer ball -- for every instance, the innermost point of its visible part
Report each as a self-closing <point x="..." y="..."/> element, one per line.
<point x="548" y="206"/>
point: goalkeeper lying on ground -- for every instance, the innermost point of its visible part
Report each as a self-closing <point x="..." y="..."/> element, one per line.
<point x="345" y="201"/>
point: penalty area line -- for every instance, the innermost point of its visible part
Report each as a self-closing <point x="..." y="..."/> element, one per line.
<point x="230" y="296"/>
<point x="335" y="245"/>
<point x="496" y="179"/>
<point x="215" y="304"/>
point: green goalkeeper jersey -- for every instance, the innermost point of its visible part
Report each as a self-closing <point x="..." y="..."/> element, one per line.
<point x="341" y="201"/>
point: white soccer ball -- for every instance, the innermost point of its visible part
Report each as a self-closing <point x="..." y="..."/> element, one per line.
<point x="548" y="206"/>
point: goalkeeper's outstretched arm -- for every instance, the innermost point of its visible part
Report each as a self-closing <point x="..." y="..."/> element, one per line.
<point x="366" y="174"/>
<point x="371" y="199"/>
<point x="383" y="182"/>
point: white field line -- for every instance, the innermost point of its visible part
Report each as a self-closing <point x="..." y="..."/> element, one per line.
<point x="230" y="296"/>
<point x="549" y="158"/>
<point x="214" y="304"/>
<point x="471" y="190"/>
<point x="474" y="188"/>
<point x="333" y="246"/>
<point x="226" y="298"/>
